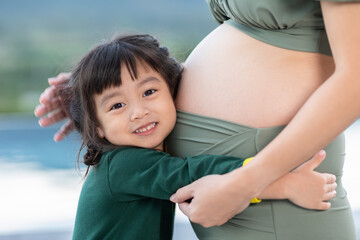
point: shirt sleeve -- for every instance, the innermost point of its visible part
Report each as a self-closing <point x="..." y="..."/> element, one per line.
<point x="136" y="173"/>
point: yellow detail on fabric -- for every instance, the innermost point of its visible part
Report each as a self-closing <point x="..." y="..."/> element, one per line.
<point x="254" y="200"/>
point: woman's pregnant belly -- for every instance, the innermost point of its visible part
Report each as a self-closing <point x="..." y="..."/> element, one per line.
<point x="232" y="76"/>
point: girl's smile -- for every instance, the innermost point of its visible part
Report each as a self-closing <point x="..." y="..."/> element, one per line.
<point x="146" y="130"/>
<point x="140" y="112"/>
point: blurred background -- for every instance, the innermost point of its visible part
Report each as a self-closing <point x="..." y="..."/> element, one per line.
<point x="39" y="183"/>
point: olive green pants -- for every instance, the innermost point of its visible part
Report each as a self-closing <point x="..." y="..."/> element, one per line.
<point x="270" y="219"/>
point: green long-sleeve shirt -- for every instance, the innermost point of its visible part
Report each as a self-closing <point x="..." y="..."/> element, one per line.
<point x="126" y="196"/>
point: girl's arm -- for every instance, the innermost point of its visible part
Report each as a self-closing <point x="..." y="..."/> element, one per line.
<point x="328" y="112"/>
<point x="136" y="173"/>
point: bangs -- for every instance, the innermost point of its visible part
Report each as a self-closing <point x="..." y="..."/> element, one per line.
<point x="104" y="67"/>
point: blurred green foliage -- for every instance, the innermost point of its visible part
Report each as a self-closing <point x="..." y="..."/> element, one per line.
<point x="41" y="38"/>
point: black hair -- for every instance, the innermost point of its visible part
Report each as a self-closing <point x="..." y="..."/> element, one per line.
<point x="100" y="69"/>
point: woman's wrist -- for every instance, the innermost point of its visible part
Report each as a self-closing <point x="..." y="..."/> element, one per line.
<point x="245" y="179"/>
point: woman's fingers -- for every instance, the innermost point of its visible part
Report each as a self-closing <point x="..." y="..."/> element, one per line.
<point x="59" y="79"/>
<point x="52" y="118"/>
<point x="51" y="110"/>
<point x="182" y="197"/>
<point x="47" y="107"/>
<point x="64" y="131"/>
<point x="185" y="208"/>
<point x="49" y="102"/>
<point x="40" y="110"/>
<point x="48" y="94"/>
<point x="49" y="99"/>
<point x="183" y="194"/>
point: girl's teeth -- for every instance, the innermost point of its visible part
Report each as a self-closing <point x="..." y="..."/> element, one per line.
<point x="146" y="129"/>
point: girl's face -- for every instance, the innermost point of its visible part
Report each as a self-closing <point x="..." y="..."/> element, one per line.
<point x="139" y="113"/>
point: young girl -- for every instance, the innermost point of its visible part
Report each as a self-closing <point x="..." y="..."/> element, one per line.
<point x="122" y="104"/>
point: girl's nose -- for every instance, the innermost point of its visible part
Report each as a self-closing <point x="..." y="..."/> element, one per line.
<point x="139" y="112"/>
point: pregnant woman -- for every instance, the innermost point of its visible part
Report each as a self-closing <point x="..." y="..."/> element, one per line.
<point x="269" y="81"/>
<point x="269" y="64"/>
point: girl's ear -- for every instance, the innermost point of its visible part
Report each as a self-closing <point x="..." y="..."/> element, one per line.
<point x="100" y="132"/>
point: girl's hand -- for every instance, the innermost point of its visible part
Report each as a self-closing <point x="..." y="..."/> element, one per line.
<point x="51" y="108"/>
<point x="308" y="188"/>
<point x="214" y="199"/>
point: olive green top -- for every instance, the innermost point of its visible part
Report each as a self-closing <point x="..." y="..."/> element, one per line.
<point x="290" y="24"/>
<point x="271" y="219"/>
<point x="126" y="196"/>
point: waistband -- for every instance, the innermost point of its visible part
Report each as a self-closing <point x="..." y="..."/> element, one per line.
<point x="197" y="134"/>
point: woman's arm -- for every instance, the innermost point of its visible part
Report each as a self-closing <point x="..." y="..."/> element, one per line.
<point x="328" y="112"/>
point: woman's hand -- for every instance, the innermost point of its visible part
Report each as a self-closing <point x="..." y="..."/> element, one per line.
<point x="51" y="108"/>
<point x="308" y="188"/>
<point x="215" y="198"/>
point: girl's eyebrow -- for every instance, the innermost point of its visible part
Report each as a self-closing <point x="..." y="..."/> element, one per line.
<point x="117" y="93"/>
<point x="109" y="96"/>
<point x="146" y="80"/>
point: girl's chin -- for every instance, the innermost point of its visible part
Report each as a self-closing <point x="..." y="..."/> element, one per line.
<point x="155" y="146"/>
<point x="159" y="147"/>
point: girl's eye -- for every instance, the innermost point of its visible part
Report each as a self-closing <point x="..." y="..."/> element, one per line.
<point x="117" y="106"/>
<point x="149" y="92"/>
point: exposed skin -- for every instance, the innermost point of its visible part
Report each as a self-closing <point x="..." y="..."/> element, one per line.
<point x="50" y="109"/>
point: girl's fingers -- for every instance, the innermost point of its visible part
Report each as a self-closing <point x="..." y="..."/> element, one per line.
<point x="330" y="187"/>
<point x="316" y="160"/>
<point x="329" y="195"/>
<point x="330" y="178"/>
<point x="324" y="206"/>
